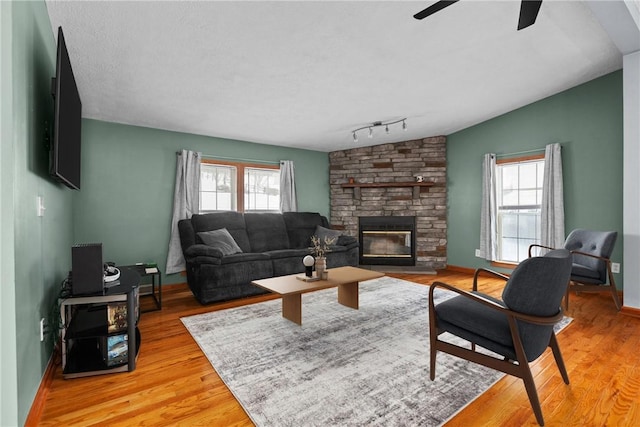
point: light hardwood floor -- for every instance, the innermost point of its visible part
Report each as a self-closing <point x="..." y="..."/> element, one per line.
<point x="174" y="384"/>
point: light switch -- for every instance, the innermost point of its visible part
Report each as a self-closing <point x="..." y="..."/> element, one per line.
<point x="41" y="206"/>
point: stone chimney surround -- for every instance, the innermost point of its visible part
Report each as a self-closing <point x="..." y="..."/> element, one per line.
<point x="401" y="179"/>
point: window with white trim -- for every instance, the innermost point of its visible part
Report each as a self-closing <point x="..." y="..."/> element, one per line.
<point x="242" y="187"/>
<point x="519" y="199"/>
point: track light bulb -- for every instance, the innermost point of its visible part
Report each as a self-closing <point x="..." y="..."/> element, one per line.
<point x="370" y="132"/>
<point x="355" y="137"/>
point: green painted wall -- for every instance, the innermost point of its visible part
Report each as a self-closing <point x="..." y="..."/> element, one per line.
<point x="128" y="174"/>
<point x="39" y="246"/>
<point x="586" y="121"/>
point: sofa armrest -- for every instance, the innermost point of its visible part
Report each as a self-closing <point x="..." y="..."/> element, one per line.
<point x="347" y="241"/>
<point x="202" y="250"/>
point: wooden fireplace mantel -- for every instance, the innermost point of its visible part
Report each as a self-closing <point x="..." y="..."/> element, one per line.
<point x="358" y="185"/>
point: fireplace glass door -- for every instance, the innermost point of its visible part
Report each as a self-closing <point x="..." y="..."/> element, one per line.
<point x="386" y="244"/>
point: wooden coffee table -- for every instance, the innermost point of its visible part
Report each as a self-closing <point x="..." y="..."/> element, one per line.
<point x="290" y="288"/>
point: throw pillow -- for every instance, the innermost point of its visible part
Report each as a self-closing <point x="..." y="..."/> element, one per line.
<point x="222" y="240"/>
<point x="322" y="232"/>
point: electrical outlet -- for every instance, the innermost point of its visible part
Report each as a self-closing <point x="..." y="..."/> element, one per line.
<point x="42" y="328"/>
<point x="478" y="253"/>
<point x="615" y="267"/>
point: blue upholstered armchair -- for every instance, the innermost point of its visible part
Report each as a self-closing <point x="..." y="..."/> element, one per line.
<point x="591" y="270"/>
<point x="517" y="329"/>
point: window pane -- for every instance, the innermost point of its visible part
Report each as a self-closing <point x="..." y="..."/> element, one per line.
<point x="527" y="225"/>
<point x="509" y="177"/>
<point x="262" y="189"/>
<point x="510" y="198"/>
<point x="509" y="224"/>
<point x="523" y="248"/>
<point x="528" y="175"/>
<point x="207" y="201"/>
<point x="217" y="187"/>
<point x="225" y="202"/>
<point x="528" y="197"/>
<point x="207" y="180"/>
<point x="509" y="250"/>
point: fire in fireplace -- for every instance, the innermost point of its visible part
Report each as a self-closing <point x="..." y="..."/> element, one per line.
<point x="387" y="240"/>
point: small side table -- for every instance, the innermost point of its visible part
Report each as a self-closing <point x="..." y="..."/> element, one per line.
<point x="156" y="290"/>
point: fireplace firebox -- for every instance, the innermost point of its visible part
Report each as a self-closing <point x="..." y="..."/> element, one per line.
<point x="387" y="240"/>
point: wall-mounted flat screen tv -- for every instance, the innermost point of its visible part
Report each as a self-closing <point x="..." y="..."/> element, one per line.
<point x="64" y="164"/>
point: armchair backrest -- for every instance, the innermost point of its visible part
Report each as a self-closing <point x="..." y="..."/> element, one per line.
<point x="599" y="243"/>
<point x="536" y="287"/>
<point x="538" y="284"/>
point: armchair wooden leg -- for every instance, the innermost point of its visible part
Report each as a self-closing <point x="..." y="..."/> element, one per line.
<point x="432" y="362"/>
<point x="566" y="297"/>
<point x="614" y="289"/>
<point x="616" y="298"/>
<point x="530" y="386"/>
<point x="433" y="351"/>
<point x="553" y="343"/>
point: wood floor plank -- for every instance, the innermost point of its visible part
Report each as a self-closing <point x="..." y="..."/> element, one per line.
<point x="174" y="383"/>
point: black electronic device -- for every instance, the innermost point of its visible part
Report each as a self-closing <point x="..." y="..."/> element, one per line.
<point x="87" y="270"/>
<point x="64" y="154"/>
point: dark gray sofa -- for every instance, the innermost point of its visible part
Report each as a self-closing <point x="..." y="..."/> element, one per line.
<point x="272" y="245"/>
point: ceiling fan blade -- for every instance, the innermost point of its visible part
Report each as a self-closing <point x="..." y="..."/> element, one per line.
<point x="437" y="6"/>
<point x="528" y="13"/>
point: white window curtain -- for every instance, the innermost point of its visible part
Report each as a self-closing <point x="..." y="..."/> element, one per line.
<point x="288" y="198"/>
<point x="489" y="209"/>
<point x="186" y="202"/>
<point x="552" y="209"/>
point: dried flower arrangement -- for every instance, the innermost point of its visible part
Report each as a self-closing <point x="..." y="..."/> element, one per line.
<point x="321" y="246"/>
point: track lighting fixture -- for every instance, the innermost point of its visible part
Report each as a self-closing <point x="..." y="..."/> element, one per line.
<point x="378" y="124"/>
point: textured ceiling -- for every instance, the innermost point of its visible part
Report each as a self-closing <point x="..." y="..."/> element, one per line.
<point x="305" y="74"/>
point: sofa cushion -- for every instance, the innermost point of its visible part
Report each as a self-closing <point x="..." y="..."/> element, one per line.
<point x="336" y="248"/>
<point x="582" y="271"/>
<point x="288" y="253"/>
<point x="232" y="221"/>
<point x="221" y="240"/>
<point x="326" y="233"/>
<point x="347" y="241"/>
<point x="301" y="226"/>
<point x="266" y="231"/>
<point x="243" y="257"/>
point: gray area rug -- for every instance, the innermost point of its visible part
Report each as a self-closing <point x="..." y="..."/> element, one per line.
<point x="342" y="366"/>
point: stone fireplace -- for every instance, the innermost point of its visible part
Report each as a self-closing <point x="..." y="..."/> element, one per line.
<point x="380" y="181"/>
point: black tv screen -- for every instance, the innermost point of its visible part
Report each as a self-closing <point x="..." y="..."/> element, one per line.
<point x="65" y="150"/>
